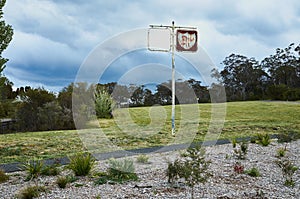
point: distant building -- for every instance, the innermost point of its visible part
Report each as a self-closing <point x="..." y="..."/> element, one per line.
<point x="7" y="125"/>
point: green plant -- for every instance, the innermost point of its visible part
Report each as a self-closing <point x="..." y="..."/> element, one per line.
<point x="241" y="152"/>
<point x="263" y="139"/>
<point x="33" y="168"/>
<point x="121" y="171"/>
<point x="253" y="172"/>
<point x="3" y="176"/>
<point x="62" y="182"/>
<point x="192" y="166"/>
<point x="31" y="192"/>
<point x="281" y="152"/>
<point x="233" y="142"/>
<point x="104" y="104"/>
<point x="50" y="170"/>
<point x="81" y="164"/>
<point x="288" y="170"/>
<point x="142" y="159"/>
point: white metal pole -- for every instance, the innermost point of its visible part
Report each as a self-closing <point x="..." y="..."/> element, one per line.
<point x="173" y="78"/>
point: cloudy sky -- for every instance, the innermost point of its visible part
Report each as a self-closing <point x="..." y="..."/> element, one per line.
<point x="53" y="38"/>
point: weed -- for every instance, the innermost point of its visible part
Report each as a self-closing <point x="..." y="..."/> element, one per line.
<point x="81" y="164"/>
<point x="281" y="152"/>
<point x="31" y="192"/>
<point x="33" y="168"/>
<point x="253" y="172"/>
<point x="288" y="169"/>
<point x="3" y="176"/>
<point x="238" y="168"/>
<point x="121" y="171"/>
<point x="241" y="152"/>
<point x="233" y="142"/>
<point x="263" y="139"/>
<point x="62" y="182"/>
<point x="50" y="170"/>
<point x="142" y="159"/>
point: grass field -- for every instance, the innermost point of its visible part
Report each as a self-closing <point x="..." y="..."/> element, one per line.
<point x="144" y="127"/>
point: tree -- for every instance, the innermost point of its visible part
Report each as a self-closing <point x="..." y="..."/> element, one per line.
<point x="6" y="33"/>
<point x="242" y="77"/>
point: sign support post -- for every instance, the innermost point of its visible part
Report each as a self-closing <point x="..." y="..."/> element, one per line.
<point x="188" y="43"/>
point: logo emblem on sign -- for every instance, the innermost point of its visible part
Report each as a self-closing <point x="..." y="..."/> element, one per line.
<point x="186" y="40"/>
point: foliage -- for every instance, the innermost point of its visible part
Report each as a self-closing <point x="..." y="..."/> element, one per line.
<point x="104" y="104"/>
<point x="238" y="168"/>
<point x="253" y="172"/>
<point x="5" y="36"/>
<point x="31" y="192"/>
<point x="288" y="170"/>
<point x="263" y="139"/>
<point x="142" y="159"/>
<point x="50" y="170"/>
<point x="119" y="171"/>
<point x="81" y="164"/>
<point x="281" y="152"/>
<point x="62" y="181"/>
<point x="33" y="168"/>
<point x="3" y="176"/>
<point x="241" y="151"/>
<point x="192" y="166"/>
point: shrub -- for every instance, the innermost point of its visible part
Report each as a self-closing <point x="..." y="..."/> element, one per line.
<point x="81" y="164"/>
<point x="50" y="170"/>
<point x="192" y="166"/>
<point x="104" y="104"/>
<point x="288" y="169"/>
<point x="142" y="159"/>
<point x="33" y="168"/>
<point x="31" y="192"/>
<point x="253" y="172"/>
<point x="241" y="152"/>
<point x="62" y="182"/>
<point x="3" y="176"/>
<point x="281" y="152"/>
<point x="263" y="139"/>
<point x="121" y="171"/>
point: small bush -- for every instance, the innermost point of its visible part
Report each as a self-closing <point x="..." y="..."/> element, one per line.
<point x="121" y="171"/>
<point x="263" y="139"/>
<point x="241" y="152"/>
<point x="281" y="152"/>
<point x="50" y="170"/>
<point x="142" y="159"/>
<point x="253" y="172"/>
<point x="238" y="168"/>
<point x="33" y="168"/>
<point x="62" y="182"/>
<point x="192" y="166"/>
<point x="3" y="176"/>
<point x="81" y="164"/>
<point x="288" y="170"/>
<point x="104" y="104"/>
<point x="31" y="192"/>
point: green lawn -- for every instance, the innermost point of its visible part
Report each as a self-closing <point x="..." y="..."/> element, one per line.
<point x="133" y="128"/>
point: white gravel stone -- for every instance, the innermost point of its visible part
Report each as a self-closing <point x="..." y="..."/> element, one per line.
<point x="225" y="183"/>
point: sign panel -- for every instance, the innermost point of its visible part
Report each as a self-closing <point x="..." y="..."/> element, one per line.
<point x="159" y="39"/>
<point x="186" y="40"/>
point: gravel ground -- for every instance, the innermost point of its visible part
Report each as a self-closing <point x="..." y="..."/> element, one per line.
<point x="225" y="183"/>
